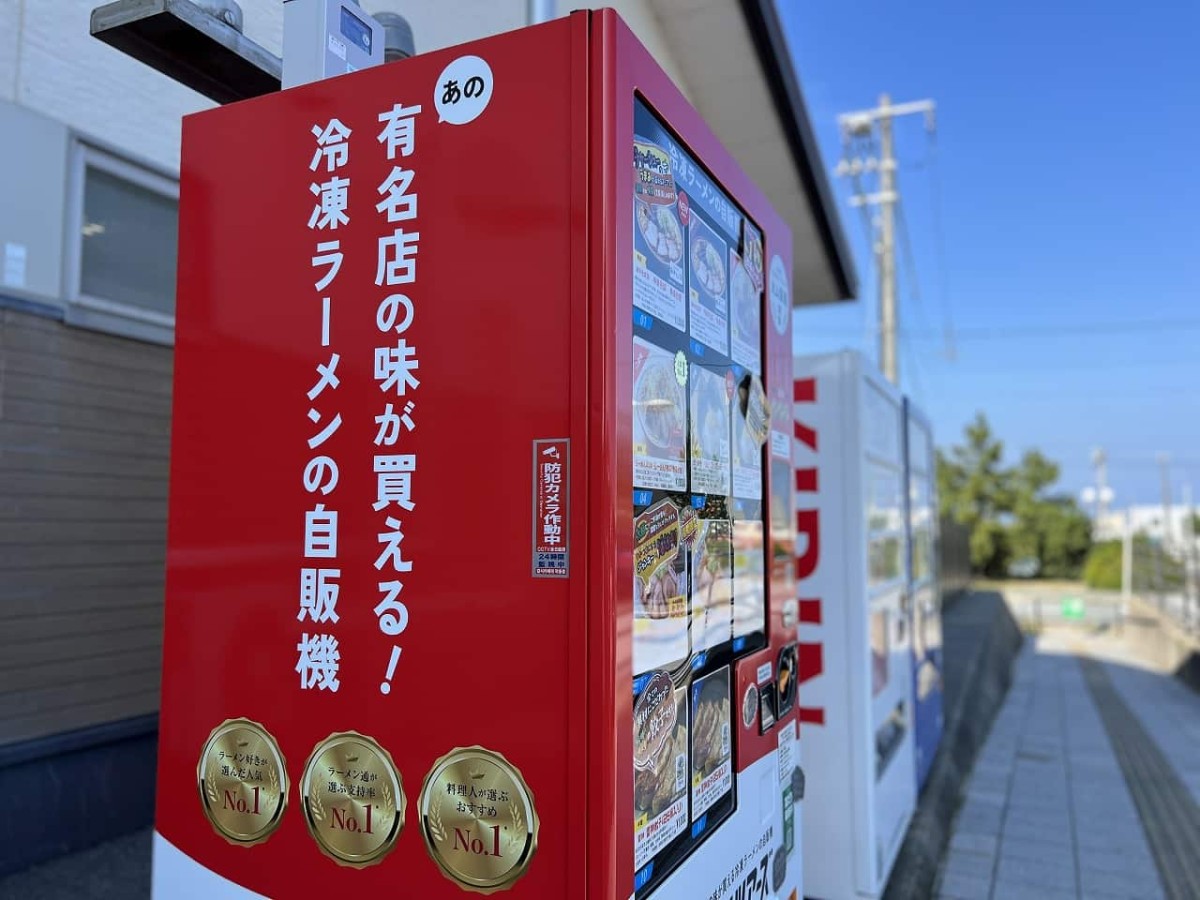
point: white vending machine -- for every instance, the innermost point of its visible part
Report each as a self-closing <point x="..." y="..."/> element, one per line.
<point x="856" y="690"/>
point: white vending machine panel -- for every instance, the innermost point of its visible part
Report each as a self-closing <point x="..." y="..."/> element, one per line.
<point x="851" y="551"/>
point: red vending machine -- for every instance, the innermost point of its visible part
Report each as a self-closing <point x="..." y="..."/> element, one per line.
<point x="480" y="552"/>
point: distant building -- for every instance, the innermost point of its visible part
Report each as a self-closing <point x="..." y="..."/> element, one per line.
<point x="90" y="143"/>
<point x="1147" y="519"/>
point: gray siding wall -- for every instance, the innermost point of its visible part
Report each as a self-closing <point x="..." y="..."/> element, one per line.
<point x="84" y="432"/>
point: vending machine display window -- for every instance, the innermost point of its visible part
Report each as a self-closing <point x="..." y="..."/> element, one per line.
<point x="661" y="779"/>
<point x="698" y="463"/>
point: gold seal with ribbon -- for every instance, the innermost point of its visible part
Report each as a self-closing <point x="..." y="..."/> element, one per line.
<point x="478" y="819"/>
<point x="353" y="799"/>
<point x="243" y="782"/>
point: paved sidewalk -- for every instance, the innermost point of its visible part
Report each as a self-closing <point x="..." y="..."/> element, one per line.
<point x="1170" y="711"/>
<point x="1048" y="813"/>
<point x="116" y="870"/>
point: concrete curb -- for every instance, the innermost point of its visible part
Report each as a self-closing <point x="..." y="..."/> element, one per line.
<point x="981" y="641"/>
<point x="1178" y="650"/>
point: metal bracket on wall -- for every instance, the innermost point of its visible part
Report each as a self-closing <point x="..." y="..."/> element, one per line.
<point x="189" y="45"/>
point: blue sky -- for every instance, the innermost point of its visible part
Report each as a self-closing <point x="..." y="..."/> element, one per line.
<point x="1068" y="165"/>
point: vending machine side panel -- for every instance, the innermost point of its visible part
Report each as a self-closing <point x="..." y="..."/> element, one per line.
<point x="743" y="842"/>
<point x="858" y="749"/>
<point x="879" y="418"/>
<point x="375" y="663"/>
<point x="829" y="562"/>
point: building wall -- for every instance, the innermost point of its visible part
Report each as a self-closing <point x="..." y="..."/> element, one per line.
<point x="85" y="415"/>
<point x="1146" y="519"/>
<point x="50" y="63"/>
<point x="34" y="183"/>
<point x="66" y="74"/>
<point x="9" y="39"/>
<point x="84" y="428"/>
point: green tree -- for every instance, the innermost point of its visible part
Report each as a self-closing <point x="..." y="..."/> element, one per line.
<point x="1050" y="528"/>
<point x="1010" y="512"/>
<point x="1026" y="483"/>
<point x="972" y="487"/>
<point x="1031" y="477"/>
<point x="1152" y="568"/>
<point x="1059" y="533"/>
<point x="1102" y="571"/>
<point x="991" y="550"/>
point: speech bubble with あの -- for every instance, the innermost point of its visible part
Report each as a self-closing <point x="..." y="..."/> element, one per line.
<point x="463" y="90"/>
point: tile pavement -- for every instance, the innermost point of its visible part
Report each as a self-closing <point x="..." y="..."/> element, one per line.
<point x="1170" y="711"/>
<point x="1047" y="813"/>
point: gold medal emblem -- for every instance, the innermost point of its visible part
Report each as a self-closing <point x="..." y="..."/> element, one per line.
<point x="478" y="819"/>
<point x="243" y="782"/>
<point x="353" y="799"/>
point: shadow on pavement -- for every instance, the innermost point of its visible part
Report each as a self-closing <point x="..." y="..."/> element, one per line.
<point x="980" y="642"/>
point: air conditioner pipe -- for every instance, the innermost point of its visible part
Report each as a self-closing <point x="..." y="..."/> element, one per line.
<point x="540" y="11"/>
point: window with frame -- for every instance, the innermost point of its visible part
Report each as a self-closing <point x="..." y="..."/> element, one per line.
<point x="124" y="231"/>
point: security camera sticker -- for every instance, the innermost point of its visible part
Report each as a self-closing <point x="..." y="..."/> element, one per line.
<point x="463" y="90"/>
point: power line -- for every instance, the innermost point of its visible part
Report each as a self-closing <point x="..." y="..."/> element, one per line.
<point x="1055" y="366"/>
<point x="1055" y="329"/>
<point x="866" y="123"/>
<point x="985" y="332"/>
<point x="916" y="368"/>
<point x="911" y="268"/>
<point x="939" y="246"/>
<point x="854" y="148"/>
<point x="914" y="294"/>
<point x="1090" y="390"/>
<point x="1073" y="456"/>
<point x="1077" y="411"/>
<point x="1150" y="462"/>
<point x="855" y="173"/>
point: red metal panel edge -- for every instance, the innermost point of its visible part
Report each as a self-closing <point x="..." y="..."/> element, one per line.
<point x="622" y="67"/>
<point x="582" y="661"/>
<point x="610" y="486"/>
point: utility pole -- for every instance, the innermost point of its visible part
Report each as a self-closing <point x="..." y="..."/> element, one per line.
<point x="1103" y="494"/>
<point x="863" y="124"/>
<point x="1127" y="558"/>
<point x="1126" y="568"/>
<point x="1164" y="462"/>
<point x="1191" y="589"/>
<point x="1160" y="556"/>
